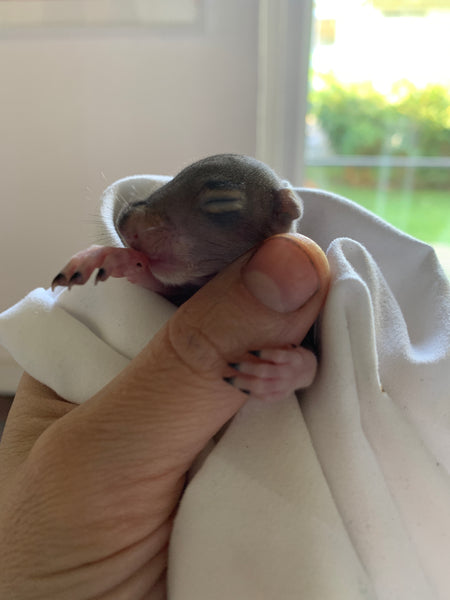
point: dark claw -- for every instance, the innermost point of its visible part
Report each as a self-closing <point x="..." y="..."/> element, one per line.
<point x="60" y="279"/>
<point x="101" y="276"/>
<point x="256" y="353"/>
<point x="75" y="278"/>
<point x="230" y="380"/>
<point x="310" y="340"/>
<point x="234" y="366"/>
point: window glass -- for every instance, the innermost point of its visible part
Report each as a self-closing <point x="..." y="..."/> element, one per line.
<point x="378" y="125"/>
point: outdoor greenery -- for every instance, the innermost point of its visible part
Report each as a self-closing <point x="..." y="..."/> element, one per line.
<point x="358" y="120"/>
<point x="411" y="122"/>
<point x="423" y="214"/>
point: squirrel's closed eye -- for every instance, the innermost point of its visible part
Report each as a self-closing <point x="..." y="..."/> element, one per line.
<point x="221" y="205"/>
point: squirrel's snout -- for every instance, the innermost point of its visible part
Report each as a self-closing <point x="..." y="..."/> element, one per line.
<point x="137" y="225"/>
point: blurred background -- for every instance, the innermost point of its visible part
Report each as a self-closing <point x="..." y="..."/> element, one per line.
<point x="351" y="96"/>
<point x="379" y="111"/>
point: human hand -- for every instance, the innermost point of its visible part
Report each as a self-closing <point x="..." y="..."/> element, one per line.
<point x="88" y="493"/>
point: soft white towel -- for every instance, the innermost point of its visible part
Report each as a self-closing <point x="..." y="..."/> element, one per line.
<point x="343" y="495"/>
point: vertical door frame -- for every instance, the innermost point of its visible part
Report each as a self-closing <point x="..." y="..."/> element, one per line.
<point x="283" y="64"/>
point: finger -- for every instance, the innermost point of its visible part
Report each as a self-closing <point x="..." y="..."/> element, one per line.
<point x="172" y="399"/>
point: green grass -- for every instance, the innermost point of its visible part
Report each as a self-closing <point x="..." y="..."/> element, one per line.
<point x="424" y="214"/>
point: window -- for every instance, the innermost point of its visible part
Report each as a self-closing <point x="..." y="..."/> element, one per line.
<point x="378" y="123"/>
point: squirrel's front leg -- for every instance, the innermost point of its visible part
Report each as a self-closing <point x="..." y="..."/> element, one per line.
<point x="110" y="262"/>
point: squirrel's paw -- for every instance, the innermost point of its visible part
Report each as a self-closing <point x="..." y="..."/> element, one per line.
<point x="110" y="262"/>
<point x="273" y="374"/>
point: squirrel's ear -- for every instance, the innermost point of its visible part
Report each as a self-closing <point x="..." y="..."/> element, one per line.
<point x="288" y="207"/>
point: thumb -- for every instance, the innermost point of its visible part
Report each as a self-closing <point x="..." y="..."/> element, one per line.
<point x="172" y="398"/>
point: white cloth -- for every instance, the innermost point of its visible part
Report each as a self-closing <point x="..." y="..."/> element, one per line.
<point x="343" y="495"/>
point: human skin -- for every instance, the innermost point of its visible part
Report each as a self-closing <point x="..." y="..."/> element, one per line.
<point x="88" y="493"/>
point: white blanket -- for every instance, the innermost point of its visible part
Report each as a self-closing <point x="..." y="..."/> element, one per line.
<point x="343" y="495"/>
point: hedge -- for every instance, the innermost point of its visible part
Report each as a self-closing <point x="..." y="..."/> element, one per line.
<point x="358" y="120"/>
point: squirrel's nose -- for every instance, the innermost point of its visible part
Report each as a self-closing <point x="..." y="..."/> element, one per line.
<point x="137" y="223"/>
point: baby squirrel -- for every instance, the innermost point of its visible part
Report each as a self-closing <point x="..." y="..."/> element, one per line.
<point x="192" y="227"/>
<point x="189" y="229"/>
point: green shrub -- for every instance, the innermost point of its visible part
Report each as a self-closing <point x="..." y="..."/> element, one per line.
<point x="358" y="120"/>
<point x="353" y="117"/>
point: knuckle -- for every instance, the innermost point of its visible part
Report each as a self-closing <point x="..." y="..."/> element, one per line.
<point x="193" y="347"/>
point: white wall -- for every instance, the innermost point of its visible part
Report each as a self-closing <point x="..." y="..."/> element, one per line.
<point x="81" y="108"/>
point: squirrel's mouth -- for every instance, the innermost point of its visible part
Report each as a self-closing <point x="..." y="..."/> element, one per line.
<point x="177" y="272"/>
<point x="169" y="270"/>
